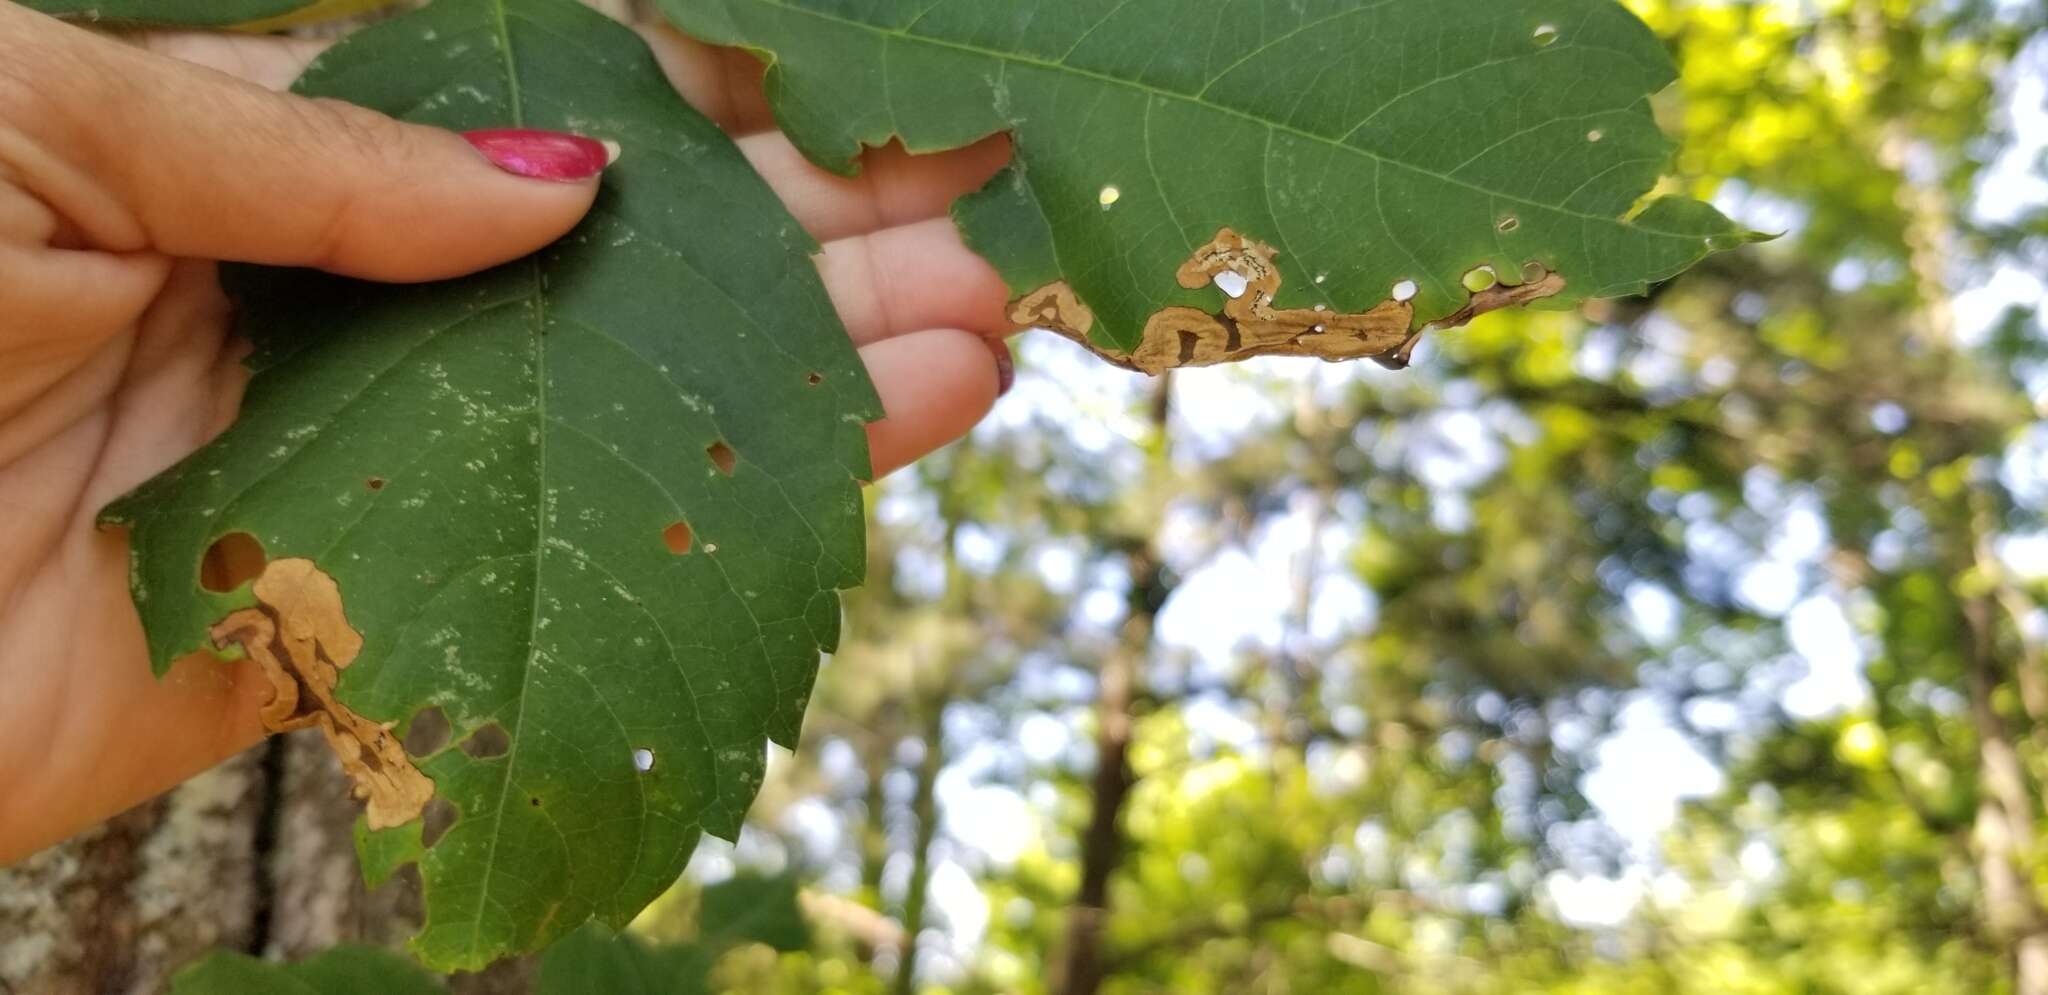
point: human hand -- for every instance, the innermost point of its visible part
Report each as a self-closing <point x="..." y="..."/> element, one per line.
<point x="126" y="172"/>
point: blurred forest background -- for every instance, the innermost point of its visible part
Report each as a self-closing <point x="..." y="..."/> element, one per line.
<point x="1688" y="645"/>
<point x="1692" y="644"/>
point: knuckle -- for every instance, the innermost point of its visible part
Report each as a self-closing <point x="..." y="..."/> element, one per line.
<point x="368" y="144"/>
<point x="358" y="134"/>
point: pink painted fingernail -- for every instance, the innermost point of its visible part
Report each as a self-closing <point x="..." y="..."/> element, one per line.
<point x="543" y="155"/>
<point x="1006" y="370"/>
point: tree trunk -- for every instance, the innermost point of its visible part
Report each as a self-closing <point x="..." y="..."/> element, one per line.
<point x="2004" y="830"/>
<point x="116" y="909"/>
<point x="1081" y="970"/>
<point x="1083" y="965"/>
<point x="925" y="809"/>
<point x="256" y="855"/>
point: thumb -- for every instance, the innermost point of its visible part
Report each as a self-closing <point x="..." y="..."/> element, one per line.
<point x="135" y="151"/>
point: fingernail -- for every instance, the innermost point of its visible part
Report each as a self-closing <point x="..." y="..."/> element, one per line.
<point x="543" y="155"/>
<point x="1006" y="370"/>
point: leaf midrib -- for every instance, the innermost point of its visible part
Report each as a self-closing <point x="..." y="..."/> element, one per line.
<point x="501" y="22"/>
<point x="1201" y="101"/>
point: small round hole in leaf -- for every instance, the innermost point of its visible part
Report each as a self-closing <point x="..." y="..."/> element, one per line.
<point x="233" y="560"/>
<point x="434" y="824"/>
<point x="643" y="760"/>
<point x="1480" y="279"/>
<point x="816" y="379"/>
<point x="427" y="733"/>
<point x="1405" y="291"/>
<point x="1546" y="35"/>
<point x="374" y="483"/>
<point x="722" y="457"/>
<point x="1509" y="224"/>
<point x="1595" y="135"/>
<point x="1109" y="196"/>
<point x="678" y="538"/>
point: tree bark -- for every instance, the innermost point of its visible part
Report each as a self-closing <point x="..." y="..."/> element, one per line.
<point x="1082" y="968"/>
<point x="1083" y="964"/>
<point x="256" y="855"/>
<point x="924" y="808"/>
<point x="114" y="910"/>
<point x="2004" y="830"/>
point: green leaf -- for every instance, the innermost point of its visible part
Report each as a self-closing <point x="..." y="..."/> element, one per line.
<point x="343" y="970"/>
<point x="750" y="908"/>
<point x="491" y="469"/>
<point x="594" y="959"/>
<point x="1372" y="143"/>
<point x="248" y="15"/>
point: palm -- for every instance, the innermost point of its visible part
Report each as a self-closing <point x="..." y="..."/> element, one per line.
<point x="111" y="394"/>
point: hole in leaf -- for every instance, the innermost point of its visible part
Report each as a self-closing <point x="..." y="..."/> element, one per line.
<point x="535" y="802"/>
<point x="816" y="379"/>
<point x="427" y="733"/>
<point x="678" y="538"/>
<point x="1546" y="35"/>
<point x="487" y="742"/>
<point x="1595" y="135"/>
<point x="1322" y="278"/>
<point x="711" y="547"/>
<point x="643" y="760"/>
<point x="1232" y="283"/>
<point x="404" y="881"/>
<point x="1533" y="272"/>
<point x="1510" y="223"/>
<point x="1480" y="279"/>
<point x="233" y="560"/>
<point x="440" y="815"/>
<point x="1406" y="290"/>
<point x="722" y="457"/>
<point x="1109" y="196"/>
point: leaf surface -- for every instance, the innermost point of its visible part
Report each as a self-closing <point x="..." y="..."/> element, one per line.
<point x="342" y="970"/>
<point x="594" y="506"/>
<point x="752" y="908"/>
<point x="244" y="15"/>
<point x="1381" y="150"/>
<point x="744" y="909"/>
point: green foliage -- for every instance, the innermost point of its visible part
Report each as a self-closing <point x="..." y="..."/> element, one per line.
<point x="753" y="909"/>
<point x="1415" y="782"/>
<point x="747" y="909"/>
<point x="471" y="462"/>
<point x="742" y="910"/>
<point x="242" y="14"/>
<point x="343" y="970"/>
<point x="1372" y="143"/>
